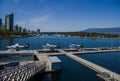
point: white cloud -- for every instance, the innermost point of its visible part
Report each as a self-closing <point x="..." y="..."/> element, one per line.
<point x="24" y="12"/>
<point x="21" y="23"/>
<point x="36" y="22"/>
<point x="40" y="20"/>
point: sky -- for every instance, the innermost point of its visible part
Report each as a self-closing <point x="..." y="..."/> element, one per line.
<point x="62" y="15"/>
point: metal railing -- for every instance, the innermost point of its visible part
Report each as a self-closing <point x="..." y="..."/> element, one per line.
<point x="23" y="72"/>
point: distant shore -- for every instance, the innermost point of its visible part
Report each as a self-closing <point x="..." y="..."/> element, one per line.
<point x="65" y="34"/>
<point x="83" y="34"/>
<point x="96" y="37"/>
<point x="13" y="36"/>
<point x="21" y="36"/>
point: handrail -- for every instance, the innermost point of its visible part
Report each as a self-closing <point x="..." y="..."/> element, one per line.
<point x="18" y="71"/>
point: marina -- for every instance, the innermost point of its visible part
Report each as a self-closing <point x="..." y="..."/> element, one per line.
<point x="44" y="55"/>
<point x="59" y="40"/>
<point x="94" y="67"/>
<point x="49" y="60"/>
<point x="80" y="51"/>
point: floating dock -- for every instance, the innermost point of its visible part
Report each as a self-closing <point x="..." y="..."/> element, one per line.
<point x="79" y="51"/>
<point x="93" y="66"/>
<point x="27" y="70"/>
<point x="54" y="63"/>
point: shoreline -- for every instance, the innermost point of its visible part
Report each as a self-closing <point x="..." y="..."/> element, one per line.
<point x="90" y="37"/>
<point x="20" y="36"/>
<point x="96" y="37"/>
<point x="13" y="36"/>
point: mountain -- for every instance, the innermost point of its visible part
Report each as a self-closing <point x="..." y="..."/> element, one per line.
<point x="115" y="30"/>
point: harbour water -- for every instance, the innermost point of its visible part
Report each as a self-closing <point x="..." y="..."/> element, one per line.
<point x="72" y="70"/>
<point x="107" y="60"/>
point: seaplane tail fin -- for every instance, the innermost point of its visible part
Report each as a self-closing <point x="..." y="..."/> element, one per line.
<point x="48" y="44"/>
<point x="27" y="45"/>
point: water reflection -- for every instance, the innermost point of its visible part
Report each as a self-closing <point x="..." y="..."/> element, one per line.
<point x="47" y="77"/>
<point x="54" y="77"/>
<point x="5" y="42"/>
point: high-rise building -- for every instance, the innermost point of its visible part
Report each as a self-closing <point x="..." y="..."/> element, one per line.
<point x="24" y="30"/>
<point x="0" y="23"/>
<point x="20" y="29"/>
<point x="9" y="21"/>
<point x="38" y="31"/>
<point x="28" y="31"/>
<point x="3" y="26"/>
<point x="16" y="28"/>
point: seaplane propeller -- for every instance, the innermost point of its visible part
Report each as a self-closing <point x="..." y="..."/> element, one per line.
<point x="27" y="45"/>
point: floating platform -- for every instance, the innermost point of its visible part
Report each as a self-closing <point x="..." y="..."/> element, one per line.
<point x="92" y="66"/>
<point x="79" y="51"/>
<point x="54" y="63"/>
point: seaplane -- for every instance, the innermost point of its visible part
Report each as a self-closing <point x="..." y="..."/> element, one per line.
<point x="51" y="47"/>
<point x="76" y="46"/>
<point x="17" y="46"/>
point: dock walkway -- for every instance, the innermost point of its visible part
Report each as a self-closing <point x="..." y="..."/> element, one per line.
<point x="82" y="51"/>
<point x="92" y="66"/>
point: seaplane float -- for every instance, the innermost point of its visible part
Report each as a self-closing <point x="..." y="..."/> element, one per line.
<point x="17" y="47"/>
<point x="75" y="46"/>
<point x="51" y="47"/>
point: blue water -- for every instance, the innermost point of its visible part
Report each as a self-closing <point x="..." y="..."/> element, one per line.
<point x="110" y="61"/>
<point x="70" y="69"/>
<point x="38" y="42"/>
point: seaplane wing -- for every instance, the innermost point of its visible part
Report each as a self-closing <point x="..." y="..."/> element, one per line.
<point x="49" y="46"/>
<point x="54" y="46"/>
<point x="75" y="45"/>
<point x="15" y="46"/>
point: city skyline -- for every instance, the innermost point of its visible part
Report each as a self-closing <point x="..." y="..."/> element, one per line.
<point x="62" y="15"/>
<point x="9" y="24"/>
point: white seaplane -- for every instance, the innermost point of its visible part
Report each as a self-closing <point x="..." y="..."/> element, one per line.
<point x="17" y="46"/>
<point x="76" y="46"/>
<point x="51" y="47"/>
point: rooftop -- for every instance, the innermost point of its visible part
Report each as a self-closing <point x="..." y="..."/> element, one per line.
<point x="54" y="59"/>
<point x="16" y="52"/>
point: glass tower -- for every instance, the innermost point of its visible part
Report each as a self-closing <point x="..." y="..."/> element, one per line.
<point x="9" y="21"/>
